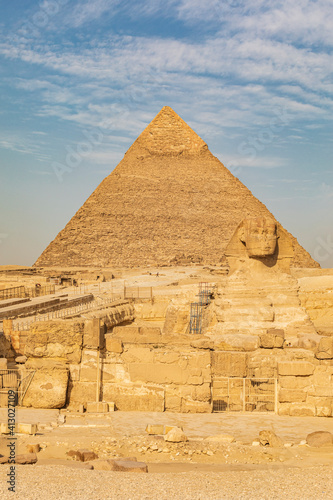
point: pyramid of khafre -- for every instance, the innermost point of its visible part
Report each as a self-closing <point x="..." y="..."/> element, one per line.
<point x="169" y="197"/>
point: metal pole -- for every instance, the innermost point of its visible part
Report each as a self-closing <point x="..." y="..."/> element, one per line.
<point x="98" y="386"/>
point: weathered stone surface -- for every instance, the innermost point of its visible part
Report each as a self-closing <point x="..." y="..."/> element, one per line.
<point x="33" y="448"/>
<point x="157" y="373"/>
<point x="27" y="458"/>
<point x="325" y="348"/>
<point x="22" y="428"/>
<point x="48" y="389"/>
<point x="221" y="438"/>
<point x="295" y="368"/>
<point x="304" y="410"/>
<point x="273" y="338"/>
<point x="125" y="207"/>
<point x="229" y="364"/>
<point x="100" y="407"/>
<point x="129" y="466"/>
<point x="236" y="342"/>
<point x="109" y="464"/>
<point x="113" y="344"/>
<point x="175" y="435"/>
<point x="291" y="396"/>
<point x="134" y="397"/>
<point x="319" y="439"/>
<point x="56" y="339"/>
<point x="155" y="429"/>
<point x="292" y="382"/>
<point x="203" y="344"/>
<point x="189" y="406"/>
<point x="82" y="455"/>
<point x="3" y="364"/>
<point x="21" y="359"/>
<point x="93" y="336"/>
<point x="269" y="438"/>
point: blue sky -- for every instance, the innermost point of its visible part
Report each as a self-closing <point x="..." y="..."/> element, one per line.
<point x="80" y="80"/>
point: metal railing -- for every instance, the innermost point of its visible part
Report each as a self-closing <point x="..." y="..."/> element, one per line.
<point x="245" y="394"/>
<point x="68" y="312"/>
<point x="17" y="381"/>
<point x="20" y="292"/>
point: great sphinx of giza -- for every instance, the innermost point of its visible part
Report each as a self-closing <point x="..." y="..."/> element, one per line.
<point x="260" y="243"/>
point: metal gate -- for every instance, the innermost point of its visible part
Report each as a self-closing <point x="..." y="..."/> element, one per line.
<point x="17" y="381"/>
<point x="244" y="394"/>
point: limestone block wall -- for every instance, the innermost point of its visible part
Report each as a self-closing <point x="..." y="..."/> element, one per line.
<point x="145" y="370"/>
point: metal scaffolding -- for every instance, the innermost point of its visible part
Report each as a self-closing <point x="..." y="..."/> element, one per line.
<point x="198" y="308"/>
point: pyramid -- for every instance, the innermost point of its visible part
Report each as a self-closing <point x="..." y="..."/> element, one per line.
<point x="169" y="199"/>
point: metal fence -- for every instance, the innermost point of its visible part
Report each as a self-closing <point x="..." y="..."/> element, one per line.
<point x="17" y="381"/>
<point x="245" y="394"/>
<point x="136" y="292"/>
<point x="19" y="292"/>
<point x="68" y="312"/>
<point x="16" y="292"/>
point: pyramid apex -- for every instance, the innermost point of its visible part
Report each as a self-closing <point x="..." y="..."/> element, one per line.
<point x="169" y="134"/>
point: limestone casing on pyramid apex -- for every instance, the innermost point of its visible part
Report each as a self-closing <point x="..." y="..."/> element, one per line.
<point x="169" y="134"/>
<point x="168" y="201"/>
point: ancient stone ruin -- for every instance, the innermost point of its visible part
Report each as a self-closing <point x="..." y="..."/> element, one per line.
<point x="239" y="318"/>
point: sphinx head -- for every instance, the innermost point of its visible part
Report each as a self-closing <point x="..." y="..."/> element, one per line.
<point x="259" y="236"/>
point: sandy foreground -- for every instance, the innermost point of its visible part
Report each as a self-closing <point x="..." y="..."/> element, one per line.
<point x="59" y="482"/>
<point x="235" y="471"/>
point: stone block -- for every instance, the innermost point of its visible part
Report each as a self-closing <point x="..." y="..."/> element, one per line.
<point x="295" y="368"/>
<point x="129" y="466"/>
<point x="229" y="364"/>
<point x="168" y="357"/>
<point x="292" y="382"/>
<point x="203" y="344"/>
<point x="93" y="337"/>
<point x="113" y="344"/>
<point x="74" y="372"/>
<point x="21" y="359"/>
<point x="175" y="435"/>
<point x="33" y="448"/>
<point x="27" y="458"/>
<point x="155" y="429"/>
<point x="221" y="438"/>
<point x="48" y="389"/>
<point x="325" y="348"/>
<point x="302" y="411"/>
<point x="134" y="397"/>
<point x="138" y="354"/>
<point x="26" y="428"/>
<point x="100" y="407"/>
<point x="273" y="338"/>
<point x="200" y="360"/>
<point x="3" y="364"/>
<point x="82" y="455"/>
<point x="236" y="342"/>
<point x="324" y="411"/>
<point x="291" y="396"/>
<point x="56" y="339"/>
<point x="172" y="402"/>
<point x="269" y="438"/>
<point x="201" y="393"/>
<point x="196" y="407"/>
<point x="79" y="392"/>
<point x="157" y="373"/>
<point x="319" y="439"/>
<point x="108" y="464"/>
